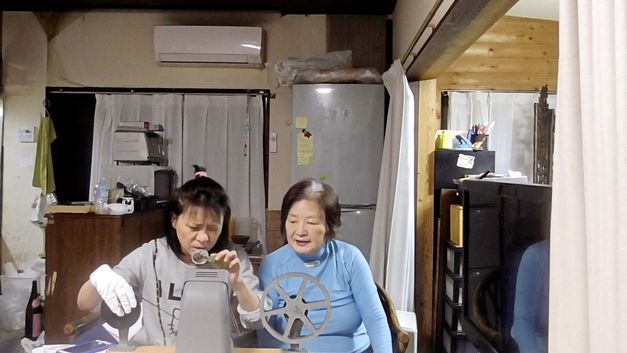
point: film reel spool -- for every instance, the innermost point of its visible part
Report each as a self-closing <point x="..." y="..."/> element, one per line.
<point x="122" y="323"/>
<point x="295" y="308"/>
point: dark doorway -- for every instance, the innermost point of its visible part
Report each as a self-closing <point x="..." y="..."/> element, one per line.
<point x="73" y="118"/>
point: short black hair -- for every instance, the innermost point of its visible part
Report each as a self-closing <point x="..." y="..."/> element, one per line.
<point x="205" y="193"/>
<point x="311" y="189"/>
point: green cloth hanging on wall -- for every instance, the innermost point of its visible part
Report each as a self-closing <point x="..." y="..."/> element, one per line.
<point x="43" y="175"/>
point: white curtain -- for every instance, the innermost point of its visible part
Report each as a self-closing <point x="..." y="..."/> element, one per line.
<point x="225" y="135"/>
<point x="588" y="276"/>
<point x="106" y="111"/>
<point x="111" y="109"/>
<point x="392" y="251"/>
<point x="222" y="133"/>
<point x="513" y="116"/>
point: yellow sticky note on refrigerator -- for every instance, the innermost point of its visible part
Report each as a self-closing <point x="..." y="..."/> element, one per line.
<point x="301" y="122"/>
<point x="302" y="159"/>
<point x="304" y="149"/>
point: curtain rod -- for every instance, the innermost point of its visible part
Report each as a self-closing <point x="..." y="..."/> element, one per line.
<point x="446" y="91"/>
<point x="113" y="90"/>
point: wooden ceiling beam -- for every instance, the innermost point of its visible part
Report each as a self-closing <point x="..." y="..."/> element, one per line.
<point x="465" y="21"/>
<point x="305" y="7"/>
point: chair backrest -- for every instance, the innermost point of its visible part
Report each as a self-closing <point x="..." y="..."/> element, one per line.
<point x="400" y="337"/>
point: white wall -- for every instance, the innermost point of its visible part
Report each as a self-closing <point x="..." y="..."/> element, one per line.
<point x="540" y="9"/>
<point x="114" y="49"/>
<point x="408" y="18"/>
<point x="24" y="54"/>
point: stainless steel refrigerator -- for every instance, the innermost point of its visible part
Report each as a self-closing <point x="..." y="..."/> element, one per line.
<point x="337" y="137"/>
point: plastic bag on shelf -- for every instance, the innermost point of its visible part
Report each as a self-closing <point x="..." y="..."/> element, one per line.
<point x="344" y="75"/>
<point x="288" y="69"/>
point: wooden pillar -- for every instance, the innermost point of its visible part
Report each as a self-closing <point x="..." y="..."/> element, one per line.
<point x="428" y="122"/>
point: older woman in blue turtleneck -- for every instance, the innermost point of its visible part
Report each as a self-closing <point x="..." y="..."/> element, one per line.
<point x="310" y="216"/>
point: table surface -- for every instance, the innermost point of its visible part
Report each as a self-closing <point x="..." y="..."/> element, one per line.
<point x="160" y="349"/>
<point x="154" y="349"/>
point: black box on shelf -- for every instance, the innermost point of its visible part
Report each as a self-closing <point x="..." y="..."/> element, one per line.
<point x="145" y="203"/>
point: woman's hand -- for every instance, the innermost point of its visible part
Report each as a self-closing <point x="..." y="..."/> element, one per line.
<point x="114" y="290"/>
<point x="232" y="264"/>
<point x="247" y="299"/>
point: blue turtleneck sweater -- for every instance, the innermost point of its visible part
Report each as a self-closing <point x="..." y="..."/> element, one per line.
<point x="357" y="317"/>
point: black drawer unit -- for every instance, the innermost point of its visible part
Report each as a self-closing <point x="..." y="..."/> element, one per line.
<point x="452" y="315"/>
<point x="454" y="258"/>
<point x="453" y="287"/>
<point x="456" y="342"/>
<point x="449" y="167"/>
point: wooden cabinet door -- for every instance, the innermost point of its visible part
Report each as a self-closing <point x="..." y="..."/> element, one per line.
<point x="75" y="246"/>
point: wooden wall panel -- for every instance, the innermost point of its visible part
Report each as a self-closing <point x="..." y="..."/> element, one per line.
<point x="427" y="123"/>
<point x="365" y="36"/>
<point x="506" y="65"/>
<point x="512" y="50"/>
<point x="501" y="81"/>
<point x="515" y="54"/>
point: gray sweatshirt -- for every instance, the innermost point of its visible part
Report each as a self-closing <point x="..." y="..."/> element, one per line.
<point x="137" y="269"/>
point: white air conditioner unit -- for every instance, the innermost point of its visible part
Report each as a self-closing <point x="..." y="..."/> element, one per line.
<point x="213" y="45"/>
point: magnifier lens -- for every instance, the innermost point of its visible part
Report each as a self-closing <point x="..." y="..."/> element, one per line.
<point x="200" y="257"/>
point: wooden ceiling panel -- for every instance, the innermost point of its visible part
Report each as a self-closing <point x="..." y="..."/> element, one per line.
<point x="354" y="7"/>
<point x="516" y="54"/>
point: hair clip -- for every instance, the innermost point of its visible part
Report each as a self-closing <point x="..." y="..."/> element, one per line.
<point x="201" y="174"/>
<point x="316" y="186"/>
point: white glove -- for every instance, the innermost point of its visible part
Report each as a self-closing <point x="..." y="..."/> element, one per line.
<point x="114" y="290"/>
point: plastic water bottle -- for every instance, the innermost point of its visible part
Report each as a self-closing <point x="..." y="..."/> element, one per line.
<point x="101" y="196"/>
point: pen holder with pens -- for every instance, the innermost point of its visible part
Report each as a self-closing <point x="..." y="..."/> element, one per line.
<point x="479" y="141"/>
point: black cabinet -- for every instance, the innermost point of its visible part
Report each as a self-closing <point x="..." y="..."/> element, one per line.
<point x="449" y="166"/>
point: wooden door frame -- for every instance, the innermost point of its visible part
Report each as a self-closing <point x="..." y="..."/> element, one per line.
<point x="464" y="22"/>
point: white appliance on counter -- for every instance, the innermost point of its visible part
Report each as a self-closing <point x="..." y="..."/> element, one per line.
<point x="337" y="137"/>
<point x="138" y="146"/>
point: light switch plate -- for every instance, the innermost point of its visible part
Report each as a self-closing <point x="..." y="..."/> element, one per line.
<point x="273" y="142"/>
<point x="26" y="134"/>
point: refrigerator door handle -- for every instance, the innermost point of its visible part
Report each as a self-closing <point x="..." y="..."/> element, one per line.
<point x="356" y="210"/>
<point x="358" y="206"/>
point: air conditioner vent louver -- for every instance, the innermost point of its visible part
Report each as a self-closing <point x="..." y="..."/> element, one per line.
<point x="206" y="274"/>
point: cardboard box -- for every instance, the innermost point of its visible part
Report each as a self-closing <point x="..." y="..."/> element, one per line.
<point x="457" y="225"/>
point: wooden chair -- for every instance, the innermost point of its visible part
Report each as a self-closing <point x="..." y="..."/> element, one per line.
<point x="400" y="338"/>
